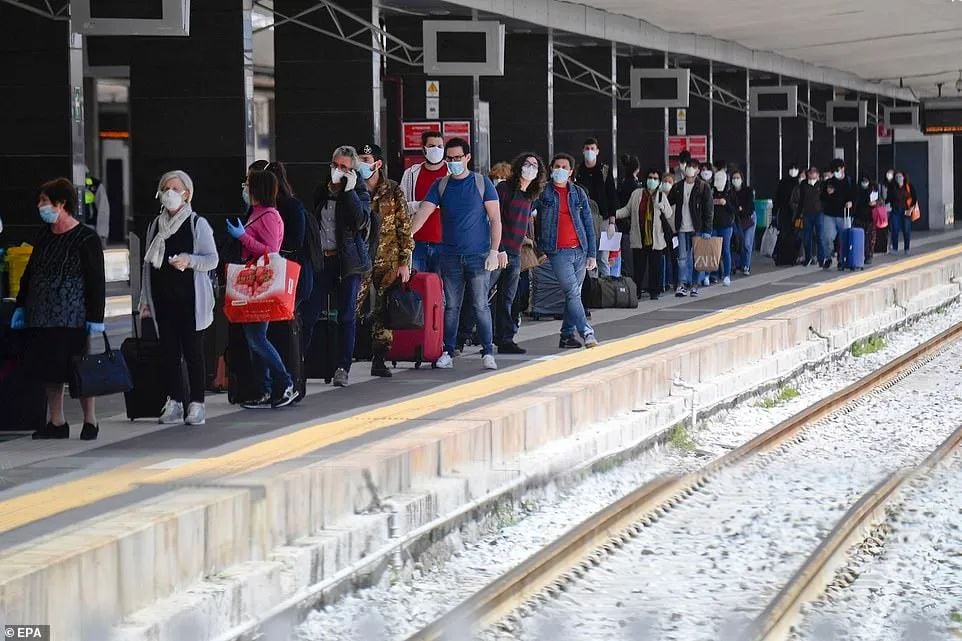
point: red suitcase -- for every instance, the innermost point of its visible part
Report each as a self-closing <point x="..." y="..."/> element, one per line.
<point x="422" y="345"/>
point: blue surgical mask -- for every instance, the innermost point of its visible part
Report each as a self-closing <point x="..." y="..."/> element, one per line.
<point x="365" y="170"/>
<point x="560" y="175"/>
<point x="48" y="214"/>
<point x="246" y="196"/>
<point x="456" y="167"/>
<point x="590" y="155"/>
<point x="652" y="184"/>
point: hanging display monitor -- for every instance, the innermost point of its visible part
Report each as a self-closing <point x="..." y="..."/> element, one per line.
<point x="901" y="117"/>
<point x="846" y="113"/>
<point x="942" y="116"/>
<point x="774" y="102"/>
<point x="131" y="17"/>
<point x="659" y="88"/>
<point x="463" y="47"/>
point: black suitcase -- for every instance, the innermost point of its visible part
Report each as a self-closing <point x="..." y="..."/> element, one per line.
<point x="787" y="249"/>
<point x="145" y="361"/>
<point x="285" y="336"/>
<point x="609" y="293"/>
<point x="23" y="399"/>
<point x="321" y="358"/>
<point x="881" y="240"/>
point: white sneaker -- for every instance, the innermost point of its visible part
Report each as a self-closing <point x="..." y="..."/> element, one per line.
<point x="445" y="362"/>
<point x="196" y="414"/>
<point x="706" y="282"/>
<point x="173" y="413"/>
<point x="727" y="282"/>
<point x="488" y="362"/>
<point x="591" y="341"/>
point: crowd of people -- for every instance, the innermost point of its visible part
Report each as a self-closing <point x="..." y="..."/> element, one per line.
<point x="363" y="232"/>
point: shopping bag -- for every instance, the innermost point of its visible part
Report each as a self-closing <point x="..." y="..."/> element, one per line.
<point x="263" y="289"/>
<point x="915" y="213"/>
<point x="880" y="216"/>
<point x="403" y="307"/>
<point x="99" y="374"/>
<point x="707" y="253"/>
<point x="769" y="238"/>
<point x="530" y="257"/>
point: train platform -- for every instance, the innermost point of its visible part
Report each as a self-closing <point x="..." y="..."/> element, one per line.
<point x="109" y="471"/>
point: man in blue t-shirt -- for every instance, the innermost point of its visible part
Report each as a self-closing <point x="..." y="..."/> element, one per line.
<point x="471" y="235"/>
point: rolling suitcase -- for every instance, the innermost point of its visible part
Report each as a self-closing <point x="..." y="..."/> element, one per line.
<point x="23" y="399"/>
<point x="546" y="296"/>
<point x="851" y="248"/>
<point x="787" y="248"/>
<point x="144" y="358"/>
<point x="320" y="361"/>
<point x="423" y="345"/>
<point x="881" y="240"/>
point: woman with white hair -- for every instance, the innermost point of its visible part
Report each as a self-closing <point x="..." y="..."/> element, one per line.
<point x="177" y="292"/>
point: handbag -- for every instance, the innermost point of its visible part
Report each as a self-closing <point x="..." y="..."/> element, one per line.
<point x="263" y="289"/>
<point x="914" y="213"/>
<point x="99" y="374"/>
<point x="530" y="258"/>
<point x="403" y="307"/>
<point x="880" y="216"/>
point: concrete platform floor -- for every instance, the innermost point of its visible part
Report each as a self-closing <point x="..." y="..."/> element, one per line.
<point x="143" y="447"/>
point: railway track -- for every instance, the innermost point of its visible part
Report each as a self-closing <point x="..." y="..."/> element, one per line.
<point x="547" y="572"/>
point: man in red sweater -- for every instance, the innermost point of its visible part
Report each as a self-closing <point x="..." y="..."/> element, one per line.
<point x="415" y="183"/>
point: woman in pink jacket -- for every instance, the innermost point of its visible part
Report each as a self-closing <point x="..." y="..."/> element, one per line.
<point x="262" y="235"/>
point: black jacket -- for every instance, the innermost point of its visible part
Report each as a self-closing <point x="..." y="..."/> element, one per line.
<point x="725" y="214"/>
<point x="600" y="185"/>
<point x="805" y="191"/>
<point x="745" y="202"/>
<point x="627" y="187"/>
<point x="700" y="204"/>
<point x="782" y="210"/>
<point x="834" y="203"/>
<point x="356" y="229"/>
<point x="294" y="214"/>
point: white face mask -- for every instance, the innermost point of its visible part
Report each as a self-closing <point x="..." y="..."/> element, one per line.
<point x="172" y="200"/>
<point x="560" y="175"/>
<point x="889" y="176"/>
<point x="690" y="172"/>
<point x="706" y="175"/>
<point x="873" y="196"/>
<point x="529" y="173"/>
<point x="838" y="174"/>
<point x="793" y="173"/>
<point x="737" y="183"/>
<point x="666" y="187"/>
<point x="336" y="175"/>
<point x="434" y="154"/>
<point x="812" y="181"/>
<point x="590" y="155"/>
<point x="721" y="179"/>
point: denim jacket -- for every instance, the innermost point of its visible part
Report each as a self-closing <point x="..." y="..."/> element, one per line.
<point x="546" y="224"/>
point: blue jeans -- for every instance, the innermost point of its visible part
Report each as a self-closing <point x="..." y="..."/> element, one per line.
<point x="328" y="282"/>
<point x="748" y="243"/>
<point x="507" y="281"/>
<point x="899" y="222"/>
<point x="725" y="267"/>
<point x="426" y="257"/>
<point x="266" y="363"/>
<point x="604" y="269"/>
<point x="812" y="237"/>
<point x="569" y="268"/>
<point x="457" y="272"/>
<point x="686" y="263"/>
<point x="832" y="226"/>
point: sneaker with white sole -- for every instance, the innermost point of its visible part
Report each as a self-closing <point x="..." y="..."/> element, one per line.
<point x="445" y="362"/>
<point x="173" y="413"/>
<point x="727" y="281"/>
<point x="591" y="341"/>
<point x="488" y="362"/>
<point x="196" y="414"/>
<point x="289" y="396"/>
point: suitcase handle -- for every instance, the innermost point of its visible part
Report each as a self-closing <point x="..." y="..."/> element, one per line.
<point x="434" y="317"/>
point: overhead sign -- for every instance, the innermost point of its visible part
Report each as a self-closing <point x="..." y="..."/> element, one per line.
<point x="659" y="88"/>
<point x="432" y="99"/>
<point x="942" y="115"/>
<point x="457" y="129"/>
<point x="697" y="146"/>
<point x="463" y="47"/>
<point x="412" y="133"/>
<point x="846" y="113"/>
<point x="773" y="101"/>
<point x="901" y="117"/>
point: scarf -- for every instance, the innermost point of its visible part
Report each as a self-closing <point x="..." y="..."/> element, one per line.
<point x="167" y="226"/>
<point x="647" y="218"/>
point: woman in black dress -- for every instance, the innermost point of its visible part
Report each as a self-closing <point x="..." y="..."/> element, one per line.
<point x="61" y="302"/>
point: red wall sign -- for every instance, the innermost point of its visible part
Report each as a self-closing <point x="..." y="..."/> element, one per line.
<point x="457" y="129"/>
<point x="697" y="146"/>
<point x="413" y="131"/>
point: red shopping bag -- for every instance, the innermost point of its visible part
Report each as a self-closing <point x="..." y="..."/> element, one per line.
<point x="880" y="216"/>
<point x="262" y="290"/>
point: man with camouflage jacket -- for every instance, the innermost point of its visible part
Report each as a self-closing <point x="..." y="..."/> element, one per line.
<point x="394" y="249"/>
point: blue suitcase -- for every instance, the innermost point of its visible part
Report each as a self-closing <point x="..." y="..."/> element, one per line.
<point x="851" y="249"/>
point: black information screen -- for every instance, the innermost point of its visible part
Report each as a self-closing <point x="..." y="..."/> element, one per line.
<point x="845" y="114"/>
<point x="127" y="9"/>
<point x="659" y="89"/>
<point x="900" y="118"/>
<point x="942" y="121"/>
<point x="462" y="46"/>
<point x="772" y="102"/>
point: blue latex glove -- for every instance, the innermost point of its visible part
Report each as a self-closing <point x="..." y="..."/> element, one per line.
<point x="19" y="318"/>
<point x="706" y="235"/>
<point x="95" y="328"/>
<point x="236" y="231"/>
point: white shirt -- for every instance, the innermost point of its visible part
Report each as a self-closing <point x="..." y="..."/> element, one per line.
<point x="686" y="224"/>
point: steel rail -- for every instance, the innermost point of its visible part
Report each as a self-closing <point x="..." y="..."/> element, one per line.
<point x="614" y="525"/>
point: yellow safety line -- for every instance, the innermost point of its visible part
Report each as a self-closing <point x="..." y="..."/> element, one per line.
<point x="21" y="510"/>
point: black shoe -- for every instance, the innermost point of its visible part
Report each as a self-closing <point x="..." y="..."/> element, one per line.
<point x="827" y="263"/>
<point x="569" y="342"/>
<point x="263" y="403"/>
<point x="289" y="396"/>
<point x="89" y="432"/>
<point x="868" y="261"/>
<point x="51" y="431"/>
<point x="654" y="296"/>
<point x="378" y="368"/>
<point x="511" y="348"/>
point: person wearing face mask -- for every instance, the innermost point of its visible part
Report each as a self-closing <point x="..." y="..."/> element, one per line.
<point x="807" y="204"/>
<point x="500" y="172"/>
<point x="176" y="291"/>
<point x="295" y="244"/>
<point x="837" y="201"/>
<point x="392" y="250"/>
<point x="342" y="207"/>
<point x="627" y="184"/>
<point x="901" y="198"/>
<point x="725" y="203"/>
<point x="597" y="180"/>
<point x="684" y="160"/>
<point x="886" y="185"/>
<point x="669" y="259"/>
<point x="694" y="213"/>
<point x="782" y="212"/>
<point x="868" y="198"/>
<point x="651" y="231"/>
<point x="564" y="230"/>
<point x="745" y="222"/>
<point x="415" y="183"/>
<point x="471" y="223"/>
<point x="61" y="303"/>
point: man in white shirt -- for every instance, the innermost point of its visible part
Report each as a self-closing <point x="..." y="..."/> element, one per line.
<point x="694" y="210"/>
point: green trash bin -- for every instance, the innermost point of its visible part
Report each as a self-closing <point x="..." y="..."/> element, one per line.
<point x="763" y="213"/>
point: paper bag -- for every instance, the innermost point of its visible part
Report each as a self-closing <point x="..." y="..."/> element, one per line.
<point x="706" y="253"/>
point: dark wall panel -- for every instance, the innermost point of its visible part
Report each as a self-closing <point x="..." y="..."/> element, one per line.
<point x="641" y="132"/>
<point x="822" y="146"/>
<point x="729" y="124"/>
<point x="35" y="127"/>
<point x="580" y="113"/>
<point x="867" y="146"/>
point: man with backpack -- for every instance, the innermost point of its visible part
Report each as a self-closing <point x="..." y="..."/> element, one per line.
<point x="471" y="236"/>
<point x="596" y="179"/>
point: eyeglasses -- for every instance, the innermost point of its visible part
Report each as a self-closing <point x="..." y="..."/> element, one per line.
<point x="533" y="165"/>
<point x="454" y="158"/>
